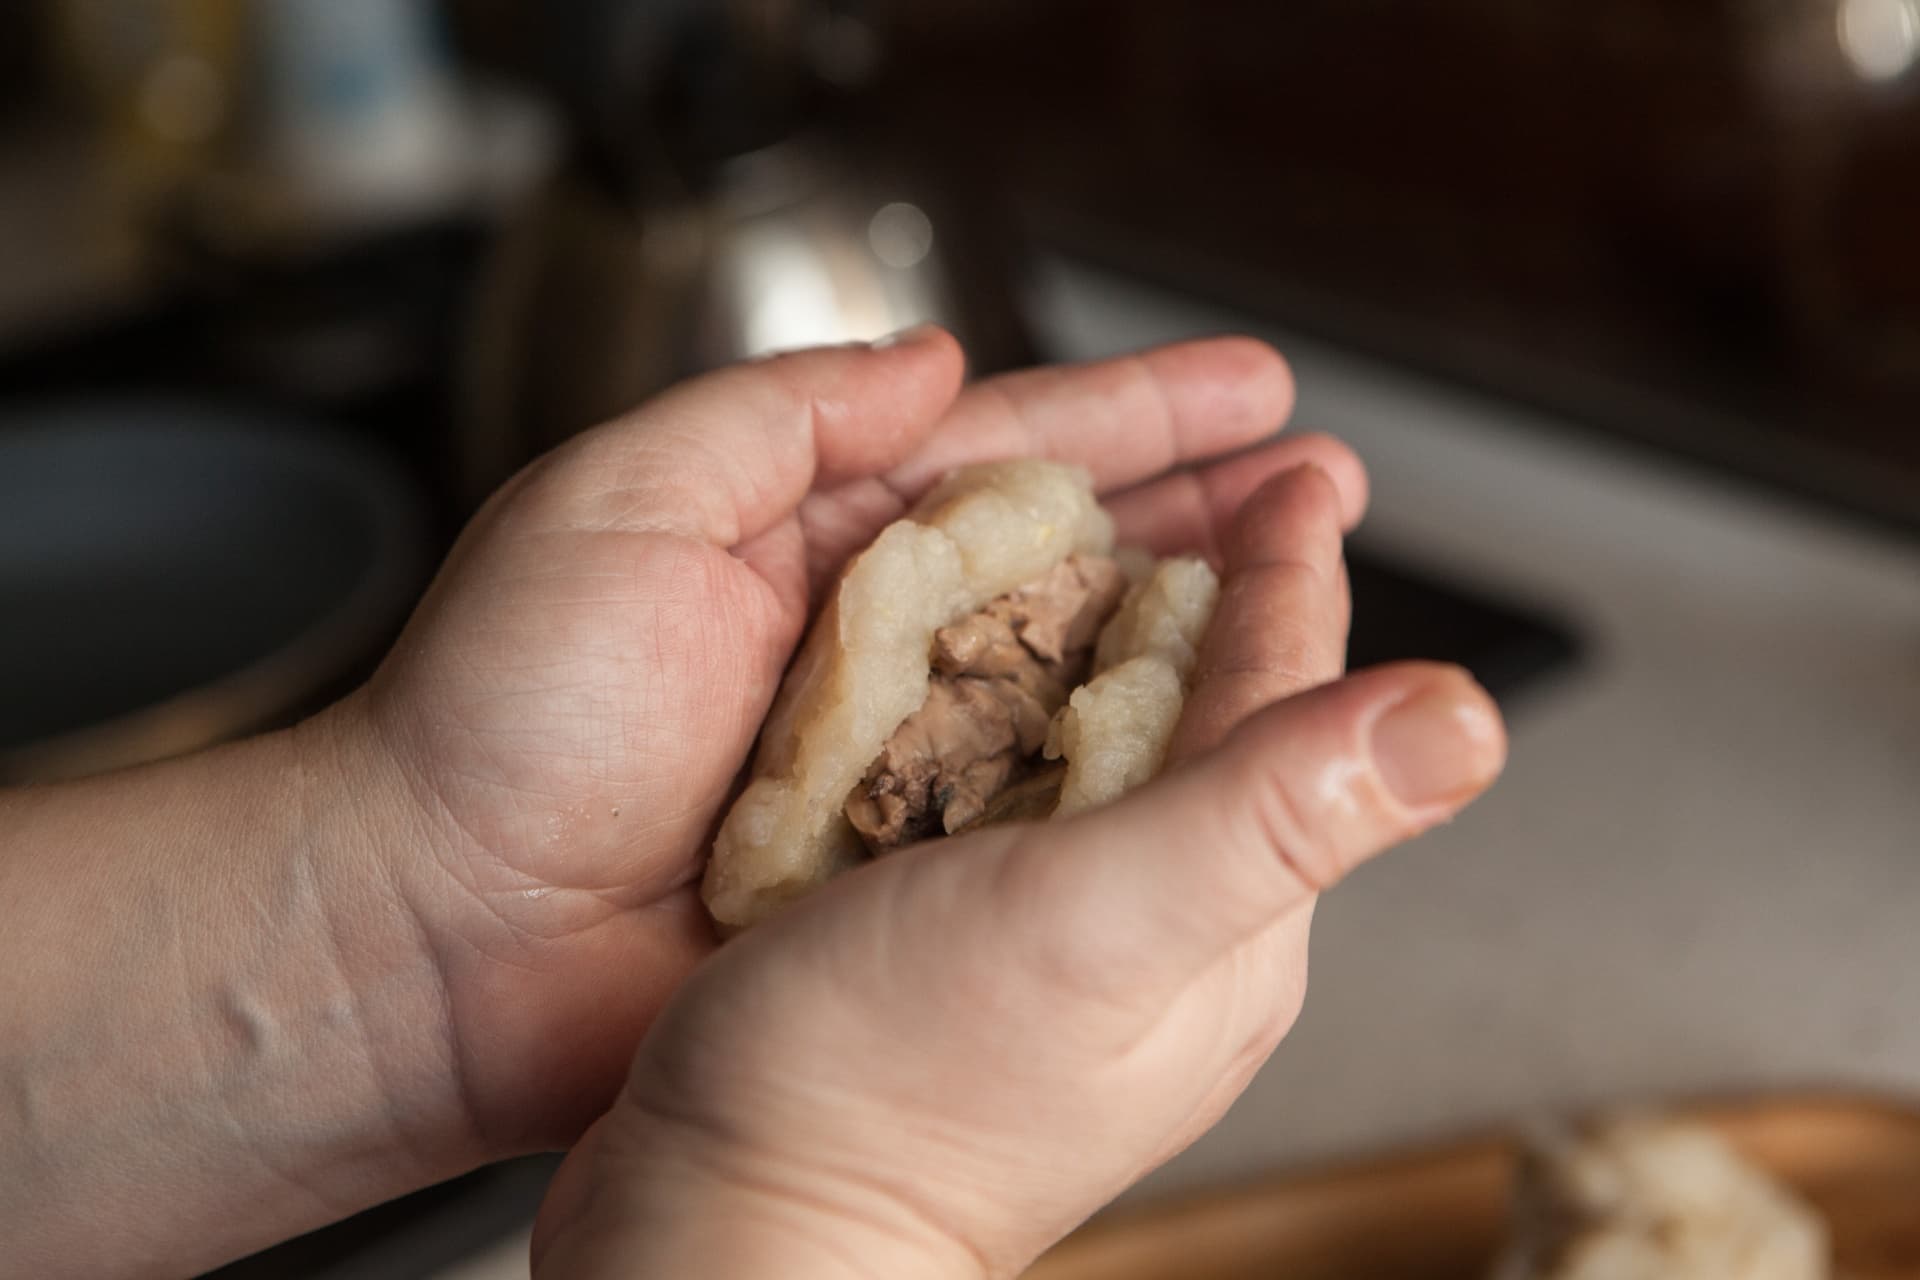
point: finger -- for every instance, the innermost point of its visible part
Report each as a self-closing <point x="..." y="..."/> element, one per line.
<point x="1147" y="894"/>
<point x="726" y="456"/>
<point x="1123" y="419"/>
<point x="1188" y="512"/>
<point x="779" y="556"/>
<point x="1281" y="624"/>
<point x="1193" y="511"/>
<point x="842" y="522"/>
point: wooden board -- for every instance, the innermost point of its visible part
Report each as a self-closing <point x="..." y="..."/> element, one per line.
<point x="1440" y="1214"/>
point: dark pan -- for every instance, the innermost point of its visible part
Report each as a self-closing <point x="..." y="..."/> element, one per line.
<point x="173" y="576"/>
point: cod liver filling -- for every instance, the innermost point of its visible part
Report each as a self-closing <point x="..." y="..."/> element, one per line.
<point x="998" y="677"/>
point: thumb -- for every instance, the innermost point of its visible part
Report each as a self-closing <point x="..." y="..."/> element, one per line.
<point x="726" y="456"/>
<point x="1150" y="891"/>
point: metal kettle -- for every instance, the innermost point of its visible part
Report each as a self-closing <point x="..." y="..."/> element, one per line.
<point x="735" y="210"/>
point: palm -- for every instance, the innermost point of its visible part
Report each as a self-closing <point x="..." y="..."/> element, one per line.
<point x="584" y="683"/>
<point x="575" y="795"/>
<point x="593" y="775"/>
<point x="875" y="1066"/>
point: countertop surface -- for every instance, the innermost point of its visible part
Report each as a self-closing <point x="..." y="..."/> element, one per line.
<point x="1702" y="870"/>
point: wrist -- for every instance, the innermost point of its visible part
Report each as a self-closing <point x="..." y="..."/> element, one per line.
<point x="367" y="840"/>
<point x="556" y="928"/>
<point x="229" y="1004"/>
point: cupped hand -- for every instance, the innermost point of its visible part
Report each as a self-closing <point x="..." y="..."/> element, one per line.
<point x="566" y="714"/>
<point x="944" y="1061"/>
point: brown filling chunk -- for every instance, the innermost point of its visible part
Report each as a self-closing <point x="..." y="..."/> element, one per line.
<point x="999" y="675"/>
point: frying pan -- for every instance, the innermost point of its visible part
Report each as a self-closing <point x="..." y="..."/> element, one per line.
<point x="174" y="575"/>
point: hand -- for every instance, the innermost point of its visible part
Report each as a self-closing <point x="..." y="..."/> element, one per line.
<point x="577" y="694"/>
<point x="946" y="1060"/>
<point x="327" y="966"/>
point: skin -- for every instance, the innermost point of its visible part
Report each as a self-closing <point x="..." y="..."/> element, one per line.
<point x="428" y="928"/>
<point x="944" y="1062"/>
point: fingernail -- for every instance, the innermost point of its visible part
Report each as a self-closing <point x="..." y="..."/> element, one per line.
<point x="1440" y="745"/>
<point x="907" y="337"/>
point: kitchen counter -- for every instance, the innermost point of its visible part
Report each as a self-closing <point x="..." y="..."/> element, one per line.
<point x="1702" y="870"/>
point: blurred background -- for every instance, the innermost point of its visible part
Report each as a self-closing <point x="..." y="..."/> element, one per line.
<point x="1621" y="303"/>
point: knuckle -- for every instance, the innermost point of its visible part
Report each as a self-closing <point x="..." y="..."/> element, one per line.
<point x="1064" y="930"/>
<point x="1277" y="584"/>
<point x="1271" y="978"/>
<point x="1290" y="829"/>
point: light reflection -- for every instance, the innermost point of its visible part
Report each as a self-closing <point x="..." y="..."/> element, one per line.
<point x="786" y="297"/>
<point x="1881" y="38"/>
<point x="901" y="235"/>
